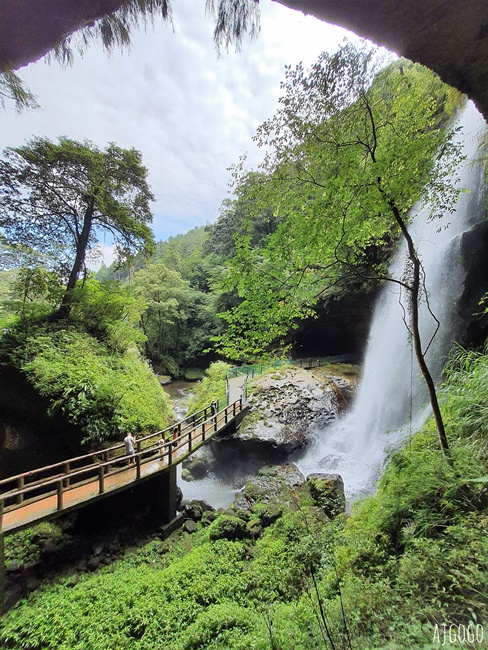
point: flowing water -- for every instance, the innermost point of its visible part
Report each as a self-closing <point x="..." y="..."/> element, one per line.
<point x="392" y="402"/>
<point x="211" y="489"/>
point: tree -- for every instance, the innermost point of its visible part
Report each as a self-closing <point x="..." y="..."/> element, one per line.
<point x="58" y="198"/>
<point x="178" y="321"/>
<point x="12" y="90"/>
<point x="350" y="149"/>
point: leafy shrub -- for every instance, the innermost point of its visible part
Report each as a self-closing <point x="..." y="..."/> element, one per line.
<point x="228" y="527"/>
<point x="212" y="386"/>
<point x="102" y="393"/>
<point x="110" y="312"/>
<point x="413" y="555"/>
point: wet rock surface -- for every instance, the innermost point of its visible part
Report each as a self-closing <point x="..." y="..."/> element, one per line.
<point x="277" y="485"/>
<point x="285" y="406"/>
<point x="199" y="464"/>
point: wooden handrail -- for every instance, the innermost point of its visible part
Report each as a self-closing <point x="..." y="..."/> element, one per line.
<point x="92" y="454"/>
<point x="62" y="482"/>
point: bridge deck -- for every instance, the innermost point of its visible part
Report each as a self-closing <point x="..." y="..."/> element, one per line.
<point x="33" y="499"/>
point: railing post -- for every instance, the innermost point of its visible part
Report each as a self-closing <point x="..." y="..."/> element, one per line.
<point x="138" y="465"/>
<point x="215" y="423"/>
<point x="20" y="486"/>
<point x="105" y="460"/>
<point x="2" y="561"/>
<point x="190" y="439"/>
<point x="101" y="486"/>
<point x="170" y="453"/>
<point x="226" y="415"/>
<point x="234" y="409"/>
<point x="66" y="470"/>
<point x="203" y="431"/>
<point x="60" y="494"/>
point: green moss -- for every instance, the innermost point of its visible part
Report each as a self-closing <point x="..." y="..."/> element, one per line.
<point x="410" y="557"/>
<point x="228" y="527"/>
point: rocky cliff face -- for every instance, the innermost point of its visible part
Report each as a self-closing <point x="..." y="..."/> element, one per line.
<point x="449" y="36"/>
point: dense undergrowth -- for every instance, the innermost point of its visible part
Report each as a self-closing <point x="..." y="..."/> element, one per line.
<point x="409" y="561"/>
<point x="212" y="386"/>
<point x="102" y="391"/>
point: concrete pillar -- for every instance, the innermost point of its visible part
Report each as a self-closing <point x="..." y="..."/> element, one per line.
<point x="164" y="495"/>
<point x="153" y="500"/>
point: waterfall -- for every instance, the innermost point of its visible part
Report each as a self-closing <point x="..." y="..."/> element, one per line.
<point x="392" y="402"/>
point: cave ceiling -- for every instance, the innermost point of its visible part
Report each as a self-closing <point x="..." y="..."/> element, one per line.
<point x="448" y="36"/>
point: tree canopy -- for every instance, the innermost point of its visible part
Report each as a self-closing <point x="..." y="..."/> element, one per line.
<point x="348" y="139"/>
<point x="59" y="198"/>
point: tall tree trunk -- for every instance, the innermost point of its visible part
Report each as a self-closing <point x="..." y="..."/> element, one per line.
<point x="81" y="247"/>
<point x="414" y="288"/>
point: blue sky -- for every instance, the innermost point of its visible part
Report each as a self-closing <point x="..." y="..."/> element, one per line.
<point x="190" y="113"/>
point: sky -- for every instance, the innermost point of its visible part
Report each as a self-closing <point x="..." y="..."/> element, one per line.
<point x="191" y="113"/>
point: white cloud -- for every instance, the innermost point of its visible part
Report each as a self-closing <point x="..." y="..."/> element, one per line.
<point x="190" y="113"/>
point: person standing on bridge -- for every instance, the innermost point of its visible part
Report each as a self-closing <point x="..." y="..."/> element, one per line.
<point x="213" y="407"/>
<point x="129" y="441"/>
<point x="175" y="434"/>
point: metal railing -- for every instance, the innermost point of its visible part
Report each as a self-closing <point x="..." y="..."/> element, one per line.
<point x="252" y="371"/>
<point x="255" y="370"/>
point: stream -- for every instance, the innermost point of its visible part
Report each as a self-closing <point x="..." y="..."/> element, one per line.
<point x="215" y="492"/>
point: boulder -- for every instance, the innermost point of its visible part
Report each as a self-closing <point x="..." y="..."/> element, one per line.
<point x="195" y="509"/>
<point x="228" y="527"/>
<point x="198" y="464"/>
<point x="327" y="491"/>
<point x="284" y="407"/>
<point x="270" y="491"/>
<point x="190" y="526"/>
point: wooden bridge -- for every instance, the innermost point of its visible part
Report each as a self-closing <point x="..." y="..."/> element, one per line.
<point x="50" y="491"/>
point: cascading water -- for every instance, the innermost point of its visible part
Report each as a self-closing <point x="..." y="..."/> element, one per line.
<point x="392" y="402"/>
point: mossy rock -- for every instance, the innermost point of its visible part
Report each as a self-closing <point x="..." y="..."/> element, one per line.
<point x="228" y="527"/>
<point x="268" y="513"/>
<point x="196" y="467"/>
<point x="327" y="492"/>
<point x="194" y="374"/>
<point x="186" y="475"/>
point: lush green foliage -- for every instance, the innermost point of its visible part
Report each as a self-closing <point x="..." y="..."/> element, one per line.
<point x="110" y="312"/>
<point x="56" y="199"/>
<point x="412" y="557"/>
<point x="102" y="393"/>
<point x="349" y="151"/>
<point x="178" y="320"/>
<point x="212" y="386"/>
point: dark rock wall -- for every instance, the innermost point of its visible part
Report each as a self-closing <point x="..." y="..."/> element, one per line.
<point x="340" y="328"/>
<point x="449" y="36"/>
<point x="29" y="438"/>
<point x="473" y="329"/>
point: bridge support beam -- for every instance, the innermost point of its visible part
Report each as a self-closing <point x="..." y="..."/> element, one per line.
<point x="163" y="495"/>
<point x="2" y="572"/>
<point x="153" y="500"/>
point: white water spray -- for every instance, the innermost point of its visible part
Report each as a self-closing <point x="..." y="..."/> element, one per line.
<point x="392" y="401"/>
